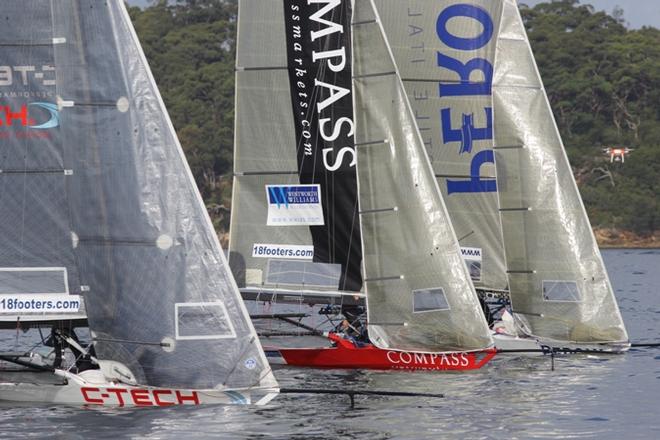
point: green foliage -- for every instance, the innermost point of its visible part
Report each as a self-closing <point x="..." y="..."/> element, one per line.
<point x="190" y="46"/>
<point x="602" y="80"/>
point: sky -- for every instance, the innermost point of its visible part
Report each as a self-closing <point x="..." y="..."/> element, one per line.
<point x="637" y="13"/>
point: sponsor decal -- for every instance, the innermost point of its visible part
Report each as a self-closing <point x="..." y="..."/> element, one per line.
<point x="250" y="364"/>
<point x="467" y="133"/>
<point x="47" y="303"/>
<point x="470" y="253"/>
<point x="25" y="76"/>
<point x="138" y="396"/>
<point x="291" y="252"/>
<point x="318" y="34"/>
<point x="405" y="360"/>
<point x="53" y="112"/>
<point x="473" y="259"/>
<point x="33" y="120"/>
<point x="294" y="205"/>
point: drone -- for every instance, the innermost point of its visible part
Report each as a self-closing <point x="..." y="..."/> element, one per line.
<point x="617" y="154"/>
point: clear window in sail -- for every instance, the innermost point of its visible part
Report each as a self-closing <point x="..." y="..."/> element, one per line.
<point x="33" y="280"/>
<point x="564" y="291"/>
<point x="429" y="300"/>
<point x="303" y="273"/>
<point x="203" y="321"/>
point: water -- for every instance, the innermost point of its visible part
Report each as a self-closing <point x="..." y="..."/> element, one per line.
<point x="585" y="397"/>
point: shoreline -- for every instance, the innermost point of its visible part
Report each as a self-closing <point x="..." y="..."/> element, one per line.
<point x="616" y="239"/>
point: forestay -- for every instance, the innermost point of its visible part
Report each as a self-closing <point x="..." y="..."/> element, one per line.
<point x="419" y="295"/>
<point x="445" y="51"/>
<point x="557" y="277"/>
<point x="294" y="222"/>
<point x="159" y="294"/>
<point x="39" y="279"/>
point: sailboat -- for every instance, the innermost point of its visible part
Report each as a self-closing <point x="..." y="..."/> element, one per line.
<point x="334" y="196"/>
<point x="483" y="115"/>
<point x="98" y="203"/>
<point x="486" y="121"/>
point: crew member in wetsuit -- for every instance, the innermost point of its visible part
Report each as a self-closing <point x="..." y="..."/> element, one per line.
<point x="352" y="326"/>
<point x="57" y="340"/>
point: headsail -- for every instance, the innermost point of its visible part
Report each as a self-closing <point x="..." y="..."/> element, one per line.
<point x="419" y="295"/>
<point x="159" y="294"/>
<point x="557" y="277"/>
<point x="445" y="51"/>
<point x="294" y="211"/>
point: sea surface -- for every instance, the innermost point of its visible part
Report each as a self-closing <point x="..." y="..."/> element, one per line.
<point x="615" y="397"/>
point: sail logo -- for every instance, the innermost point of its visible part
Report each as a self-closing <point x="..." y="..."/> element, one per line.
<point x="471" y="253"/>
<point x="286" y="251"/>
<point x="45" y="117"/>
<point x="422" y="361"/>
<point x="294" y="205"/>
<point x="26" y="75"/>
<point x="464" y="86"/>
<point x="320" y="79"/>
<point x="473" y="258"/>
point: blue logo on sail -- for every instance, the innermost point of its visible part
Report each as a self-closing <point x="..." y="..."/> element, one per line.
<point x="53" y="111"/>
<point x="294" y="205"/>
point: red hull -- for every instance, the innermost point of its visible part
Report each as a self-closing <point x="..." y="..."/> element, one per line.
<point x="346" y="355"/>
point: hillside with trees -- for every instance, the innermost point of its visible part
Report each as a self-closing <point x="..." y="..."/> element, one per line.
<point x="603" y="81"/>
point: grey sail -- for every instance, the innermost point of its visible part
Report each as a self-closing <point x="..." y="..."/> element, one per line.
<point x="160" y="298"/>
<point x="558" y="281"/>
<point x="39" y="277"/>
<point x="264" y="150"/>
<point x="419" y="294"/>
<point x="445" y="51"/>
<point x="294" y="205"/>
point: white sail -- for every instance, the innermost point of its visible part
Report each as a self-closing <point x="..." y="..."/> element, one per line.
<point x="106" y="196"/>
<point x="472" y="81"/>
<point x="445" y="51"/>
<point x="558" y="281"/>
<point x="419" y="294"/>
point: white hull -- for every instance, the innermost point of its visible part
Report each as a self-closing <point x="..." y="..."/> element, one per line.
<point x="79" y="390"/>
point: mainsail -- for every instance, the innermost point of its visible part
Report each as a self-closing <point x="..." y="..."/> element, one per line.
<point x="419" y="295"/>
<point x="445" y="51"/>
<point x="557" y="277"/>
<point x="39" y="278"/>
<point x="294" y="222"/>
<point x="96" y="188"/>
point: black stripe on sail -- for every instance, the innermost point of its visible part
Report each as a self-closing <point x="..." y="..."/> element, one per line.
<point x="319" y="64"/>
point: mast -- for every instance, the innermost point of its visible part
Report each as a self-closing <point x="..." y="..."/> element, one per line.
<point x="160" y="297"/>
<point x="419" y="294"/>
<point x="559" y="286"/>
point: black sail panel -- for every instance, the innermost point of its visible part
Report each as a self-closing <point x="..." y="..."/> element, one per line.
<point x="319" y="67"/>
